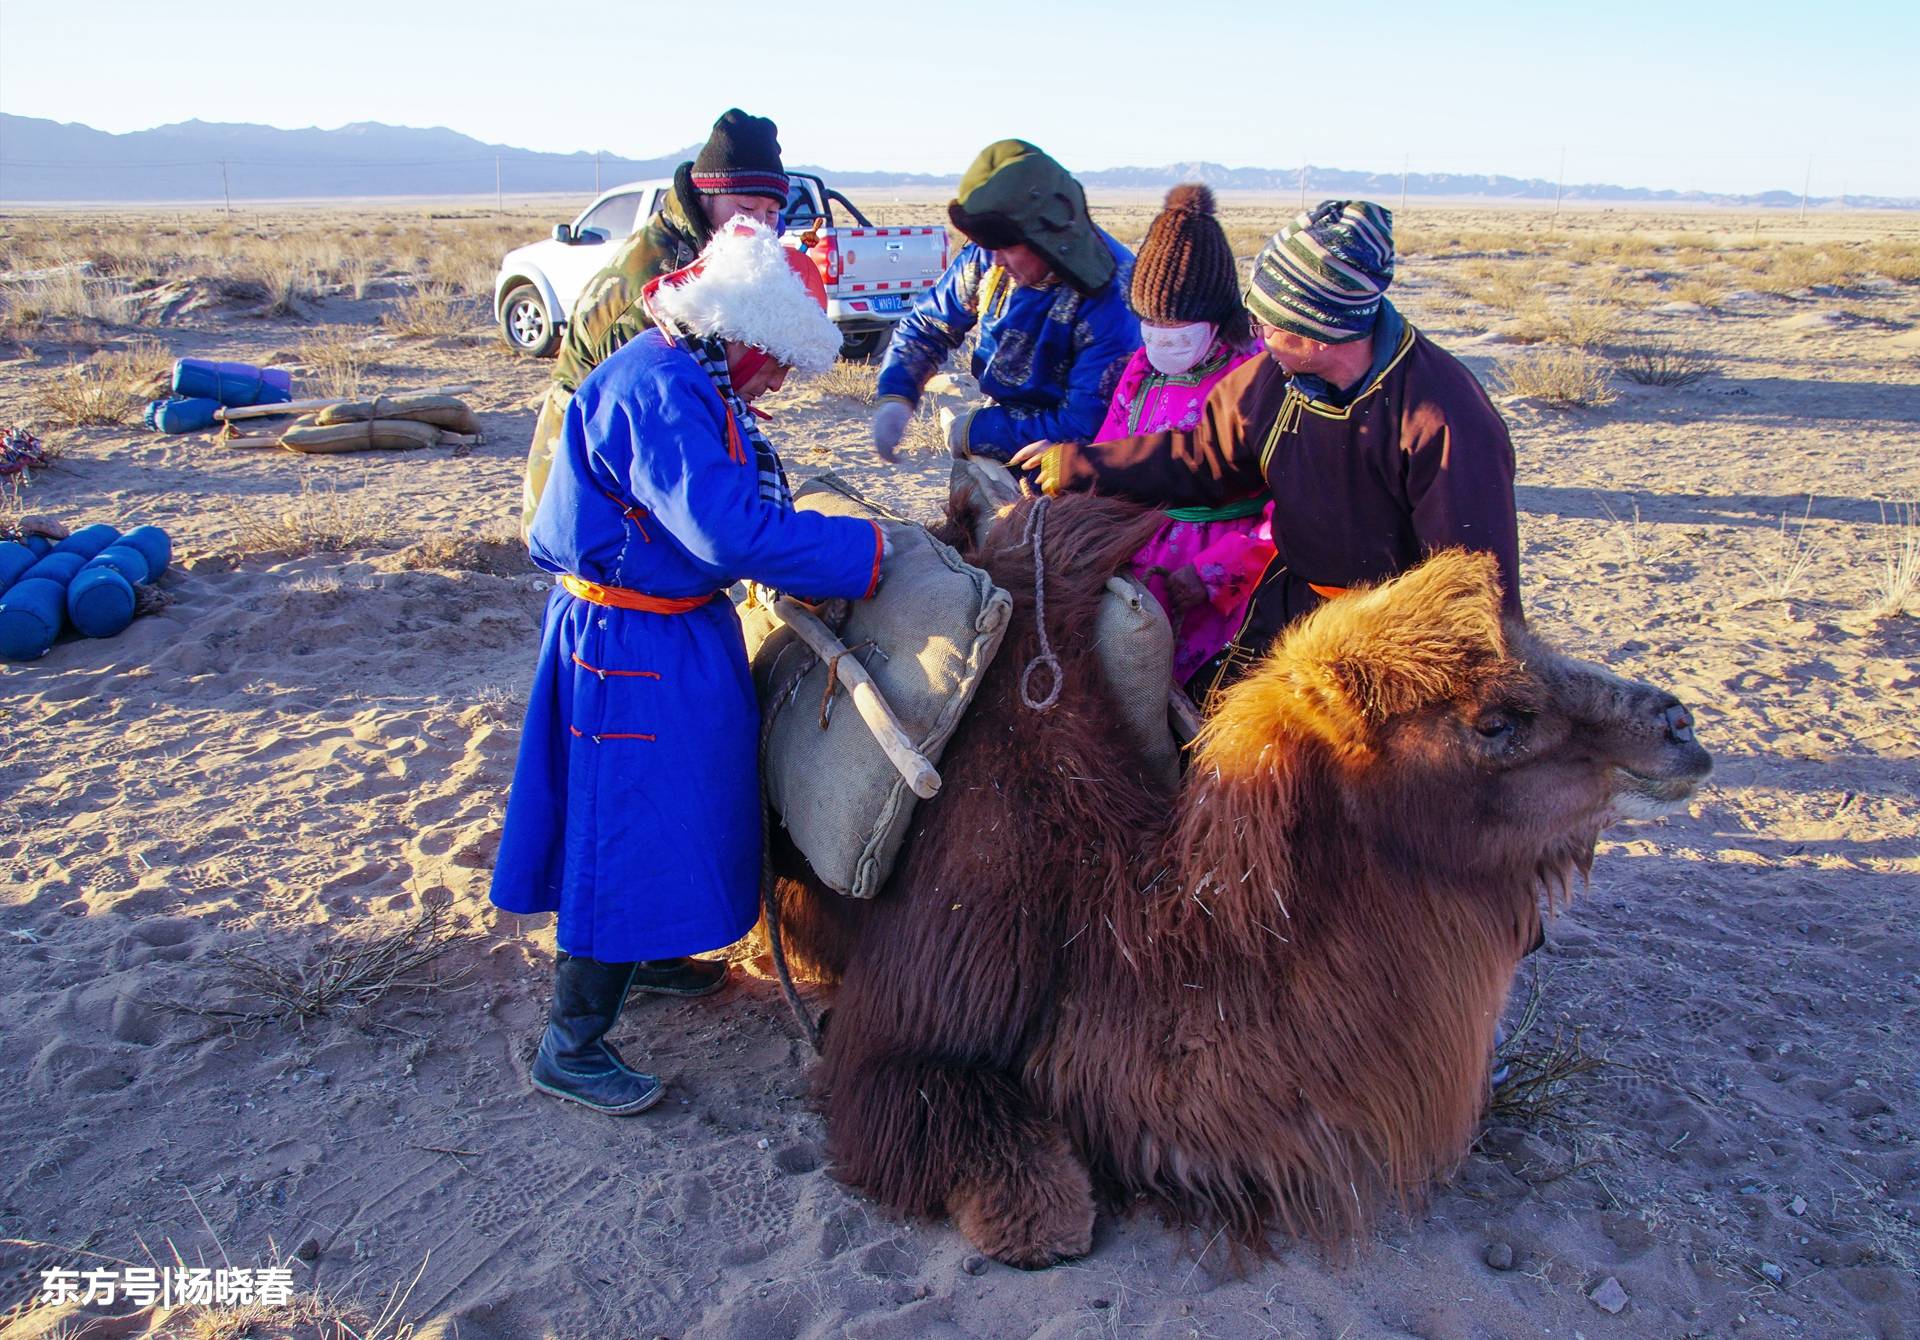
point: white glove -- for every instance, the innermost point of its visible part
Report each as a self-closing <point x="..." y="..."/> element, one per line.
<point x="953" y="427"/>
<point x="890" y="420"/>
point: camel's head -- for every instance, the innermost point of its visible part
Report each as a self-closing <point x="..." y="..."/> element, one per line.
<point x="1458" y="741"/>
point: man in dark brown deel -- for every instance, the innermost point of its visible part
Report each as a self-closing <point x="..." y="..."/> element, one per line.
<point x="1377" y="447"/>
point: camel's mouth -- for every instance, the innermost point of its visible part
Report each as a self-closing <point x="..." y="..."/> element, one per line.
<point x="1639" y="796"/>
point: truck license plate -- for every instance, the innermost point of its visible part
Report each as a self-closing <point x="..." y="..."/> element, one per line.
<point x="888" y="302"/>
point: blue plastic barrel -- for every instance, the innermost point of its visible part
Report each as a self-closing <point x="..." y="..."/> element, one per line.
<point x="87" y="541"/>
<point x="15" y="559"/>
<point x="30" y="615"/>
<point x="182" y="414"/>
<point x="56" y="567"/>
<point x="231" y="383"/>
<point x="154" y="544"/>
<point x="40" y="545"/>
<point x="123" y="559"/>
<point x="100" y="602"/>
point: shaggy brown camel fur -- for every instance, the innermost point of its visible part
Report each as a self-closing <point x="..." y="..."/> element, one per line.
<point x="1265" y="1003"/>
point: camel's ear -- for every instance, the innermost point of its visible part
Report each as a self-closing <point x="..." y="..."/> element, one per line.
<point x="1415" y="640"/>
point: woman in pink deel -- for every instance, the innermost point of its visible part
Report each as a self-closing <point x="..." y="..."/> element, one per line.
<point x="1204" y="563"/>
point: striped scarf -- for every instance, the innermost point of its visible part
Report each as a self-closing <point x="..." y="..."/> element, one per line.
<point x="1323" y="274"/>
<point x="711" y="355"/>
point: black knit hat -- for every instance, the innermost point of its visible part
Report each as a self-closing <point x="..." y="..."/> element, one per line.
<point x="1185" y="269"/>
<point x="741" y="157"/>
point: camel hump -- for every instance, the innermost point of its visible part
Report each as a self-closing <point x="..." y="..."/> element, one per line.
<point x="1426" y="636"/>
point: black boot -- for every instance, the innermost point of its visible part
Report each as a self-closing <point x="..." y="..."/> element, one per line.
<point x="680" y="976"/>
<point x="575" y="1060"/>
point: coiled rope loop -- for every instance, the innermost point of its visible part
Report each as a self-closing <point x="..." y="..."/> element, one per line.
<point x="1034" y="532"/>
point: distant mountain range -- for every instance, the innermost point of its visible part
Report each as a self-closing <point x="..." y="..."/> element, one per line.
<point x="53" y="161"/>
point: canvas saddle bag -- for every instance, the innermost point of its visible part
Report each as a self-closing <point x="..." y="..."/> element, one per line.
<point x="926" y="637"/>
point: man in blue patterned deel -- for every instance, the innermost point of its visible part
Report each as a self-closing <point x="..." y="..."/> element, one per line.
<point x="1047" y="288"/>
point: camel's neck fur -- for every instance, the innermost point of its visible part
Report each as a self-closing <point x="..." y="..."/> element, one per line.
<point x="1317" y="1019"/>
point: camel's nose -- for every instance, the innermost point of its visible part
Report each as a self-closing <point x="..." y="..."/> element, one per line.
<point x="1679" y="724"/>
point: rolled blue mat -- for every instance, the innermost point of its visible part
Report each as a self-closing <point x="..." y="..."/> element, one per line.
<point x="182" y="414"/>
<point x="40" y="545"/>
<point x="154" y="544"/>
<point x="15" y="559"/>
<point x="123" y="559"/>
<point x="100" y="602"/>
<point x="56" y="567"/>
<point x="30" y="618"/>
<point x="231" y="383"/>
<point x="87" y="541"/>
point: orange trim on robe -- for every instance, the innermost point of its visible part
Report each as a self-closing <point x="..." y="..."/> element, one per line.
<point x="618" y="597"/>
<point x="879" y="552"/>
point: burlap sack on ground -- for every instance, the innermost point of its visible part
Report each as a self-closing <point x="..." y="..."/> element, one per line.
<point x="442" y="411"/>
<point x="935" y="625"/>
<point x="1133" y="639"/>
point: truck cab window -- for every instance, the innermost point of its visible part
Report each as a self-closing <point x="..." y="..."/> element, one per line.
<point x="612" y="218"/>
<point x="800" y="211"/>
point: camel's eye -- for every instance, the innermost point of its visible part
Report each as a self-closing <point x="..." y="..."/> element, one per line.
<point x="1497" y="727"/>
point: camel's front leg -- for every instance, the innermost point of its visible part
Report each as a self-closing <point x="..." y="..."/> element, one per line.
<point x="928" y="1137"/>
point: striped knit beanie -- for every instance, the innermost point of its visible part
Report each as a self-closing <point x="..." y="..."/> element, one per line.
<point x="741" y="157"/>
<point x="1322" y="275"/>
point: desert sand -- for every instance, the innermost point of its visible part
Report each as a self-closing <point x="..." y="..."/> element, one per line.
<point x="310" y="748"/>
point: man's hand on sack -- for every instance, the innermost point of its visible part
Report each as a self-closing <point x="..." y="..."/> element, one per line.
<point x="890" y="419"/>
<point x="1185" y="589"/>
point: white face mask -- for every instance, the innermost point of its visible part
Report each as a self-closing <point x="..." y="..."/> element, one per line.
<point x="1174" y="349"/>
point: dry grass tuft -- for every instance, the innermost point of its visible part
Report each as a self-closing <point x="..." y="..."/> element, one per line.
<point x="106" y="389"/>
<point x="855" y="381"/>
<point x="1700" y="291"/>
<point x="1662" y="364"/>
<point x="1579" y="326"/>
<point x="347" y="977"/>
<point x="1505" y="286"/>
<point x="324" y="520"/>
<point x="1780" y="568"/>
<point x="498" y="553"/>
<point x="1543" y="1073"/>
<point x="1569" y="378"/>
<point x="427" y="310"/>
<point x="1897" y="591"/>
<point x="335" y="356"/>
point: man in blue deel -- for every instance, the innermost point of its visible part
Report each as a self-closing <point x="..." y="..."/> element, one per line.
<point x="1045" y="287"/>
<point x="635" y="810"/>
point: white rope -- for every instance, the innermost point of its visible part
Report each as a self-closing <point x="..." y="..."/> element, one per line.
<point x="1034" y="533"/>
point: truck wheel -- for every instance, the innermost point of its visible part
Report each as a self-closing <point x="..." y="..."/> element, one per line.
<point x="861" y="345"/>
<point x="525" y="323"/>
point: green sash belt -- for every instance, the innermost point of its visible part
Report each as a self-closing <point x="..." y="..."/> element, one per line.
<point x="1233" y="511"/>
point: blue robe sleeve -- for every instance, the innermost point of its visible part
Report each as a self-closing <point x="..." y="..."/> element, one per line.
<point x="925" y="337"/>
<point x="1109" y="337"/>
<point x="677" y="466"/>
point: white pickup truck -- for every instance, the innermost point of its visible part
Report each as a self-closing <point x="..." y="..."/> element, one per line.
<point x="872" y="274"/>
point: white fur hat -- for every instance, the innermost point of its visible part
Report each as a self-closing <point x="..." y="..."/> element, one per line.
<point x="746" y="286"/>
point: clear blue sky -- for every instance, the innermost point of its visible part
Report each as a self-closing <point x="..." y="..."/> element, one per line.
<point x="1713" y="95"/>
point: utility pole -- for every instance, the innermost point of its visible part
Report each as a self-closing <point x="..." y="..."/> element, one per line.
<point x="225" y="194"/>
<point x="1406" y="160"/>
<point x="1560" y="186"/>
<point x="1303" y="186"/>
<point x="497" y="209"/>
<point x="1806" y="188"/>
<point x="596" y="173"/>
